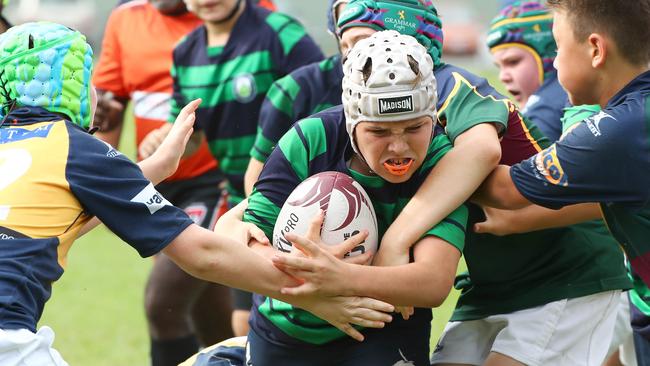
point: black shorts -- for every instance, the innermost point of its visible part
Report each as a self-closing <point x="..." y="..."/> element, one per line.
<point x="202" y="197"/>
<point x="381" y="347"/>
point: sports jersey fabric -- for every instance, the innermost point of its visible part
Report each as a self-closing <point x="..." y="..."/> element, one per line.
<point x="134" y="63"/>
<point x="232" y="81"/>
<point x="305" y="91"/>
<point x="464" y="101"/>
<point x="545" y="107"/>
<point x="539" y="267"/>
<point x="52" y="181"/>
<point x="606" y="159"/>
<point x="316" y="144"/>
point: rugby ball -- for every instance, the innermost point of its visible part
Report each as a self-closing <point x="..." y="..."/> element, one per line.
<point x="346" y="206"/>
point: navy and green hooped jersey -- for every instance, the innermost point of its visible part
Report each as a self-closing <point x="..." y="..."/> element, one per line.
<point x="605" y="158"/>
<point x="232" y="81"/>
<point x="305" y="91"/>
<point x="316" y="144"/>
<point x="53" y="179"/>
<point x="545" y="107"/>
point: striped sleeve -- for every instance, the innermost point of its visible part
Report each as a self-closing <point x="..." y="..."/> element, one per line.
<point x="298" y="47"/>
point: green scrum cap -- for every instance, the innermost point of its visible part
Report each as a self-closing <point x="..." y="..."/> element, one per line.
<point x="416" y="18"/>
<point x="528" y="25"/>
<point x="46" y="65"/>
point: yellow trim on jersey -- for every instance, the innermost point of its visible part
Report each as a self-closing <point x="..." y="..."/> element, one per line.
<point x="461" y="80"/>
<point x="536" y="18"/>
<point x="540" y="64"/>
<point x="530" y="137"/>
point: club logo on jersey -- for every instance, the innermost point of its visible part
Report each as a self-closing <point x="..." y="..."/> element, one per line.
<point x="244" y="88"/>
<point x="151" y="198"/>
<point x="111" y="153"/>
<point x="593" y="122"/>
<point x="17" y="134"/>
<point x="548" y="165"/>
<point x="396" y="105"/>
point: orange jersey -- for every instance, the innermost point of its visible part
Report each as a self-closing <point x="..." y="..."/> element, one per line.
<point x="135" y="62"/>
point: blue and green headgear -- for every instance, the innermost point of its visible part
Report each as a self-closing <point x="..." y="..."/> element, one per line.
<point x="528" y="25"/>
<point x="46" y="65"/>
<point x="417" y="18"/>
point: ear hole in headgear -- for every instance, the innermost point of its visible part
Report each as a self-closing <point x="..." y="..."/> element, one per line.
<point x="415" y="66"/>
<point x="30" y="42"/>
<point x="367" y="69"/>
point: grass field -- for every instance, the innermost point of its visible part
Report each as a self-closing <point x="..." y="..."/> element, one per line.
<point x="97" y="307"/>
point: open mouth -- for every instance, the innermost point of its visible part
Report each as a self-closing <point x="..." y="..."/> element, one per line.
<point x="398" y="166"/>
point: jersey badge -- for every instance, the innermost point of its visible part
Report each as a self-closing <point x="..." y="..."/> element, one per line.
<point x="593" y="122"/>
<point x="151" y="198"/>
<point x="244" y="88"/>
<point x="548" y="165"/>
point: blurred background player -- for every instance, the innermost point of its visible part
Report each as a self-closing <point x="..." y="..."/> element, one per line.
<point x="523" y="49"/>
<point x="230" y="62"/>
<point x="305" y="91"/>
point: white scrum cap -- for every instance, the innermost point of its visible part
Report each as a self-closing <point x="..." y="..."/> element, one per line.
<point x="387" y="77"/>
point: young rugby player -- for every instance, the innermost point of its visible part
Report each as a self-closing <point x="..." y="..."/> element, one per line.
<point x="389" y="151"/>
<point x="602" y="59"/>
<point x="55" y="177"/>
<point x="230" y="62"/>
<point x="305" y="91"/>
<point x="182" y="311"/>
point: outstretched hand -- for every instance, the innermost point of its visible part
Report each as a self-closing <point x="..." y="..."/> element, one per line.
<point x="231" y="224"/>
<point x="171" y="148"/>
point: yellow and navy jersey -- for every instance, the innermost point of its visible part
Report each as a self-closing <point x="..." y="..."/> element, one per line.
<point x="53" y="178"/>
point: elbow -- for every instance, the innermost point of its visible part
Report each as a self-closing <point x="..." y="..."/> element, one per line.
<point x="491" y="153"/>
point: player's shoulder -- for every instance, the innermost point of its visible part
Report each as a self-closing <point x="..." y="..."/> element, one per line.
<point x="450" y="78"/>
<point x="194" y="39"/>
<point x="316" y="73"/>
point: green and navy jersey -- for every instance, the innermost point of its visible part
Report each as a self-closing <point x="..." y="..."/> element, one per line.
<point x="53" y="179"/>
<point x="538" y="267"/>
<point x="307" y="90"/>
<point x="606" y="159"/>
<point x="232" y="81"/>
<point x="317" y="144"/>
<point x="545" y="107"/>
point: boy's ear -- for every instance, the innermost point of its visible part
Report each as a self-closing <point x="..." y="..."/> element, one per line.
<point x="598" y="47"/>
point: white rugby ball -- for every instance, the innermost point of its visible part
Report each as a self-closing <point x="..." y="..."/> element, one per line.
<point x="347" y="209"/>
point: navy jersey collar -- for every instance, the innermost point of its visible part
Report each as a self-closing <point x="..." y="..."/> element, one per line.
<point x="639" y="83"/>
<point x="29" y="115"/>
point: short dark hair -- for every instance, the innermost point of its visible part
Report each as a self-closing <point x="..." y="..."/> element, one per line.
<point x="627" y="22"/>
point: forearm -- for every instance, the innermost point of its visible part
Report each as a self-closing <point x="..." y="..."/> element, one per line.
<point x="413" y="284"/>
<point x="535" y="217"/>
<point x="426" y="282"/>
<point x="216" y="258"/>
<point x="451" y="182"/>
<point x="499" y="191"/>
